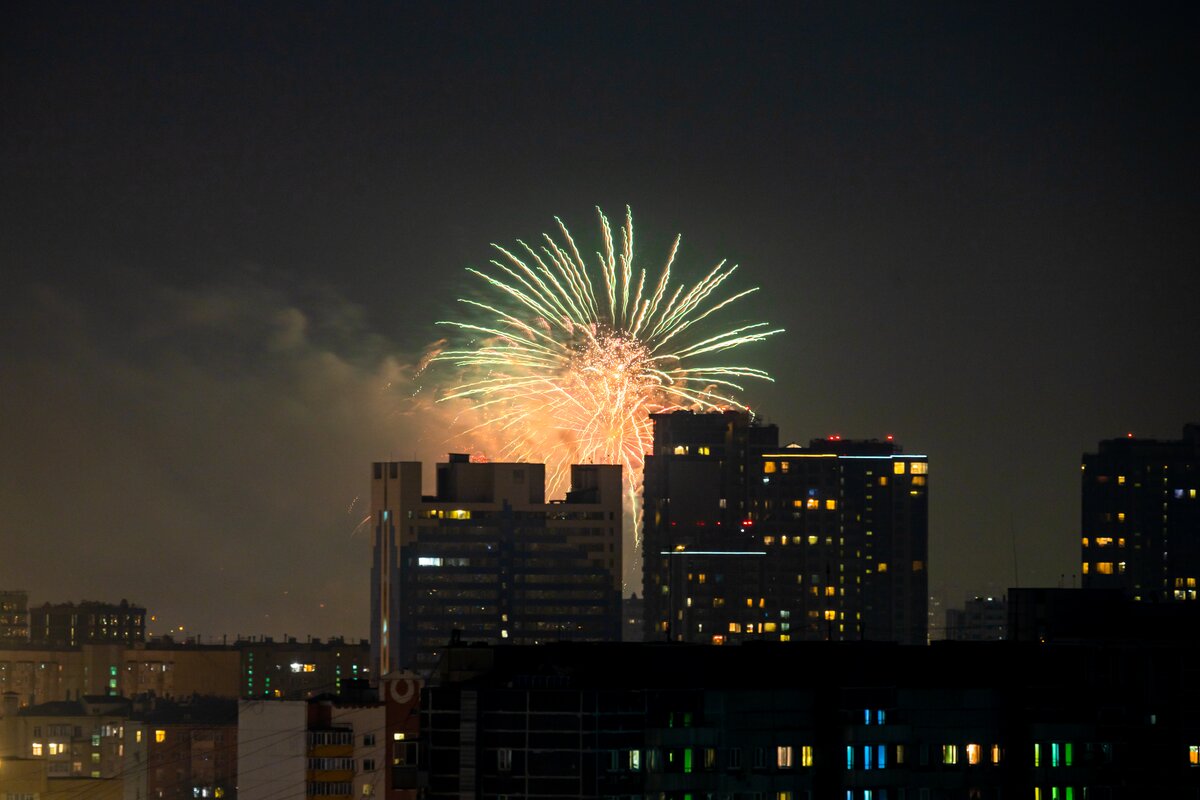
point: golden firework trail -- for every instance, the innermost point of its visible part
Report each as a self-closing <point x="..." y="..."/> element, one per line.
<point x="566" y="363"/>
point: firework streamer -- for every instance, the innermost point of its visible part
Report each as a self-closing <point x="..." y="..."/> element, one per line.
<point x="564" y="364"/>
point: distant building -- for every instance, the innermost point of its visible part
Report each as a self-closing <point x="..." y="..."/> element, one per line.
<point x="488" y="556"/>
<point x="89" y="622"/>
<point x="981" y="619"/>
<point x="747" y="539"/>
<point x="14" y="617"/>
<point x="633" y="619"/>
<point x="246" y="668"/>
<point x="1141" y="517"/>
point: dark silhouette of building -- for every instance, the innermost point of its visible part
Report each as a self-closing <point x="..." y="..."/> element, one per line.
<point x="860" y="720"/>
<point x="14" y="617"/>
<point x="747" y="539"/>
<point x="88" y="622"/>
<point x="1141" y="517"/>
<point x="488" y="556"/>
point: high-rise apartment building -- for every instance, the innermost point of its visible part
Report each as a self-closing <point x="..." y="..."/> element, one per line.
<point x="1141" y="517"/>
<point x="747" y="539"/>
<point x="488" y="557"/>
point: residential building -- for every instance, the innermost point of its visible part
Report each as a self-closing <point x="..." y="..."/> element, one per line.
<point x="981" y="619"/>
<point x="747" y="539"/>
<point x="1141" y="517"/>
<point x="88" y="622"/>
<point x="258" y="667"/>
<point x="811" y="720"/>
<point x="312" y="748"/>
<point x="486" y="555"/>
<point x="14" y="617"/>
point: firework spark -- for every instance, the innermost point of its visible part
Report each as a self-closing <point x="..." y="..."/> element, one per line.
<point x="566" y="365"/>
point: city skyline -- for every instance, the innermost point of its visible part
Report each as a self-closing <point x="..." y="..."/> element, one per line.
<point x="230" y="231"/>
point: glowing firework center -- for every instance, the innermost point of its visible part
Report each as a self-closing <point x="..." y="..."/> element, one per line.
<point x="564" y="366"/>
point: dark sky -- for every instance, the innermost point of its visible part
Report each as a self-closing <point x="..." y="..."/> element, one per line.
<point x="228" y="230"/>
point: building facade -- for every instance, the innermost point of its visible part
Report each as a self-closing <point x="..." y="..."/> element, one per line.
<point x="89" y="622"/>
<point x="1140" y="526"/>
<point x="815" y="720"/>
<point x="981" y="619"/>
<point x="14" y="617"/>
<point x="747" y="539"/>
<point x="487" y="556"/>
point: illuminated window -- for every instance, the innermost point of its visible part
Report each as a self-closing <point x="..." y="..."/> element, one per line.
<point x="882" y="567"/>
<point x="735" y="627"/>
<point x="995" y="754"/>
<point x="830" y="615"/>
<point x="1194" y="755"/>
<point x="830" y="591"/>
<point x="1068" y="754"/>
<point x="459" y="513"/>
<point x="830" y="505"/>
<point x="1120" y="479"/>
<point x="806" y="755"/>
<point x="160" y="735"/>
<point x="1037" y="754"/>
<point x="918" y="480"/>
<point x="718" y="602"/>
<point x="1085" y="568"/>
<point x="899" y="754"/>
<point x="703" y="450"/>
<point x="137" y="737"/>
<point x="883" y="480"/>
<point x="974" y="754"/>
<point x="1055" y="752"/>
<point x="1085" y="541"/>
<point x="1120" y="516"/>
<point x="797" y="504"/>
<point x="1121" y="567"/>
<point x="813" y="503"/>
<point x="949" y="754"/>
<point x="812" y="539"/>
<point x="898" y="467"/>
<point x="919" y="468"/>
<point x="769" y="627"/>
<point x="1104" y="567"/>
<point x="36" y="748"/>
<point x="504" y="759"/>
<point x="767" y="540"/>
<point x="768" y="467"/>
<point x="783" y="757"/>
<point x="918" y="566"/>
<point x="1103" y="541"/>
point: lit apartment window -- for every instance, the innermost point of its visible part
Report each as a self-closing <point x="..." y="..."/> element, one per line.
<point x="813" y="503"/>
<point x="974" y="754"/>
<point x="504" y="759"/>
<point x="882" y="566"/>
<point x="830" y="505"/>
<point x="768" y="466"/>
<point x="160" y="735"/>
<point x="703" y="450"/>
<point x="830" y="615"/>
<point x="1085" y="567"/>
<point x="995" y="754"/>
<point x="1104" y="567"/>
<point x="783" y="757"/>
<point x="949" y="754"/>
<point x="1194" y="755"/>
<point x="36" y="748"/>
<point x="898" y="467"/>
<point x="806" y="755"/>
<point x="635" y="760"/>
<point x="919" y="468"/>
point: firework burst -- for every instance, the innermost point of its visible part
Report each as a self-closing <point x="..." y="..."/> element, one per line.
<point x="566" y="364"/>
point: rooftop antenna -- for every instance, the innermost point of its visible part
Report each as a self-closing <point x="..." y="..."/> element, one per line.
<point x="1012" y="534"/>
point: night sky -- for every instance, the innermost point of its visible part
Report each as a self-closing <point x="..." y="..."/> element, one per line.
<point x="228" y="231"/>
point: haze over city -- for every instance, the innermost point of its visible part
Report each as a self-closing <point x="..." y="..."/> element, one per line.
<point x="230" y="231"/>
